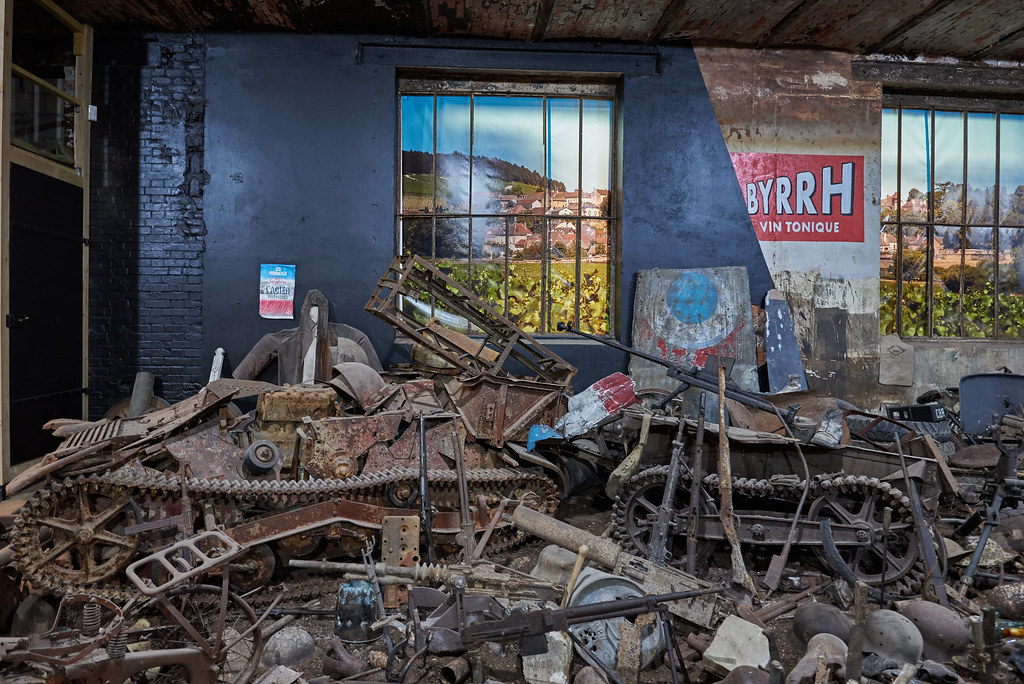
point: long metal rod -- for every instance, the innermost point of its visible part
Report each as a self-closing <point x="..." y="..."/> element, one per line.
<point x="696" y="474"/>
<point x="426" y="513"/>
<point x="687" y="374"/>
<point x="936" y="574"/>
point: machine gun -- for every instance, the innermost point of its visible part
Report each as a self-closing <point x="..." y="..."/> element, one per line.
<point x="529" y="627"/>
<point x="690" y="376"/>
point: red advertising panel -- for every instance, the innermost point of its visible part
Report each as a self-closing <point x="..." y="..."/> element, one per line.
<point x="803" y="197"/>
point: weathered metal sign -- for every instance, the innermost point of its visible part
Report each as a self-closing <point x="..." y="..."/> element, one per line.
<point x="803" y="197"/>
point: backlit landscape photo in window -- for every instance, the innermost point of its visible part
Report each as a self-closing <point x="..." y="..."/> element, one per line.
<point x="952" y="242"/>
<point x="510" y="194"/>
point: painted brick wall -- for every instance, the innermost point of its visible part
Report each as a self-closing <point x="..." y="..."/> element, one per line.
<point x="147" y="236"/>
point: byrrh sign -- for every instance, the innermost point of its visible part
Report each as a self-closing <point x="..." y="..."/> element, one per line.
<point x="803" y="197"/>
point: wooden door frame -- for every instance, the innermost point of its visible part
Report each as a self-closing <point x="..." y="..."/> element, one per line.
<point x="77" y="176"/>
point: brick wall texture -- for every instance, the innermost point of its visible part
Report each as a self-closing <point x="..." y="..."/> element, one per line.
<point x="147" y="235"/>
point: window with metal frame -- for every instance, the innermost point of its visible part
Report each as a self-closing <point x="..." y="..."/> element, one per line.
<point x="952" y="241"/>
<point x="509" y="187"/>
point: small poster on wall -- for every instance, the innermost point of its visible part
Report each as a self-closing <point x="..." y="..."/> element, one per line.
<point x="277" y="290"/>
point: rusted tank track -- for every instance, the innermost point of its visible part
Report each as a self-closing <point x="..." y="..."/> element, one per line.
<point x="70" y="536"/>
<point x="841" y="498"/>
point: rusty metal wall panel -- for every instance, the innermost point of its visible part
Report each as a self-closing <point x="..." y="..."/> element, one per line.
<point x="604" y="19"/>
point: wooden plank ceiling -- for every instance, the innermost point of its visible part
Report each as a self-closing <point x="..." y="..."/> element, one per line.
<point x="965" y="29"/>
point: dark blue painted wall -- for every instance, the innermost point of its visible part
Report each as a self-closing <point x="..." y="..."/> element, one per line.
<point x="300" y="152"/>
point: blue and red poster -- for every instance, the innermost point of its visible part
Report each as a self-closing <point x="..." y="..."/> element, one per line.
<point x="277" y="290"/>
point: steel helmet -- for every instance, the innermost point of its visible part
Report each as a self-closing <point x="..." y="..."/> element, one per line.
<point x="943" y="631"/>
<point x="817" y="618"/>
<point x="893" y="636"/>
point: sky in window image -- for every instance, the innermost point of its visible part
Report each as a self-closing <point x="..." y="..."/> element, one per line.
<point x="910" y="149"/>
<point x="513" y="129"/>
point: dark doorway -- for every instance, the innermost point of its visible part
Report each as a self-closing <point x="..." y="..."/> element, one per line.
<point x="45" y="320"/>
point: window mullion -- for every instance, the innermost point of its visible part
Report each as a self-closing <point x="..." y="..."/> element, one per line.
<point x="898" y="309"/>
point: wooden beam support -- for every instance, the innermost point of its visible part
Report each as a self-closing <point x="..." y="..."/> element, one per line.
<point x="45" y="166"/>
<point x="799" y="11"/>
<point x="1010" y="37"/>
<point x="61" y="16"/>
<point x="661" y="26"/>
<point x="540" y="25"/>
<point x="907" y="23"/>
<point x="45" y="85"/>
<point x="950" y="79"/>
<point x="6" y="31"/>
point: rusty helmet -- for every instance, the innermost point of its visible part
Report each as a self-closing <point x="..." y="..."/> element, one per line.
<point x="817" y="618"/>
<point x="893" y="636"/>
<point x="943" y="631"/>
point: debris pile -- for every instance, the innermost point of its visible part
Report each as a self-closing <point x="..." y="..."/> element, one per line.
<point x="467" y="518"/>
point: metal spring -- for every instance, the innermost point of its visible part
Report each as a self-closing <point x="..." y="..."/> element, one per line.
<point x="117" y="645"/>
<point x="90" y="619"/>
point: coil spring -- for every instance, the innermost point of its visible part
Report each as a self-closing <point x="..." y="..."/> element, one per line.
<point x="90" y="619"/>
<point x="117" y="645"/>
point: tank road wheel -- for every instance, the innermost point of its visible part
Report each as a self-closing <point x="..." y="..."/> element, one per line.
<point x="636" y="510"/>
<point x="853" y="499"/>
<point x="72" y="534"/>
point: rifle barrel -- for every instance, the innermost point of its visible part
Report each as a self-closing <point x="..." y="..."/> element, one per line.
<point x="684" y="373"/>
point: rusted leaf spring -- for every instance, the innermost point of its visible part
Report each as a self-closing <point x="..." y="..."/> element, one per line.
<point x="411" y="276"/>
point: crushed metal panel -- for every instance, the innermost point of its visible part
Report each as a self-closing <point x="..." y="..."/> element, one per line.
<point x="441" y="440"/>
<point x="292" y="404"/>
<point x="502" y="409"/>
<point x="411" y="276"/>
<point x="334" y="445"/>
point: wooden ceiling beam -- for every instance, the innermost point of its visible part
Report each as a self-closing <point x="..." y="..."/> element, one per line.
<point x="661" y="26"/>
<point x="540" y="26"/>
<point x="996" y="45"/>
<point x="907" y="23"/>
<point x="424" y="19"/>
<point x="798" y="12"/>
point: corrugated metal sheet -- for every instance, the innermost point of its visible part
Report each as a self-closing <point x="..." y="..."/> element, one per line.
<point x="967" y="29"/>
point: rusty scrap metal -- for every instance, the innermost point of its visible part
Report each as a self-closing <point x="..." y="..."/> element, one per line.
<point x="481" y="578"/>
<point x="696" y="491"/>
<point x="936" y="573"/>
<point x="399" y="546"/>
<point x="412" y="277"/>
<point x="653" y="579"/>
<point x="499" y="409"/>
<point x="358" y="381"/>
<point x="184" y="560"/>
<point x="426" y="513"/>
<point x="739" y="569"/>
